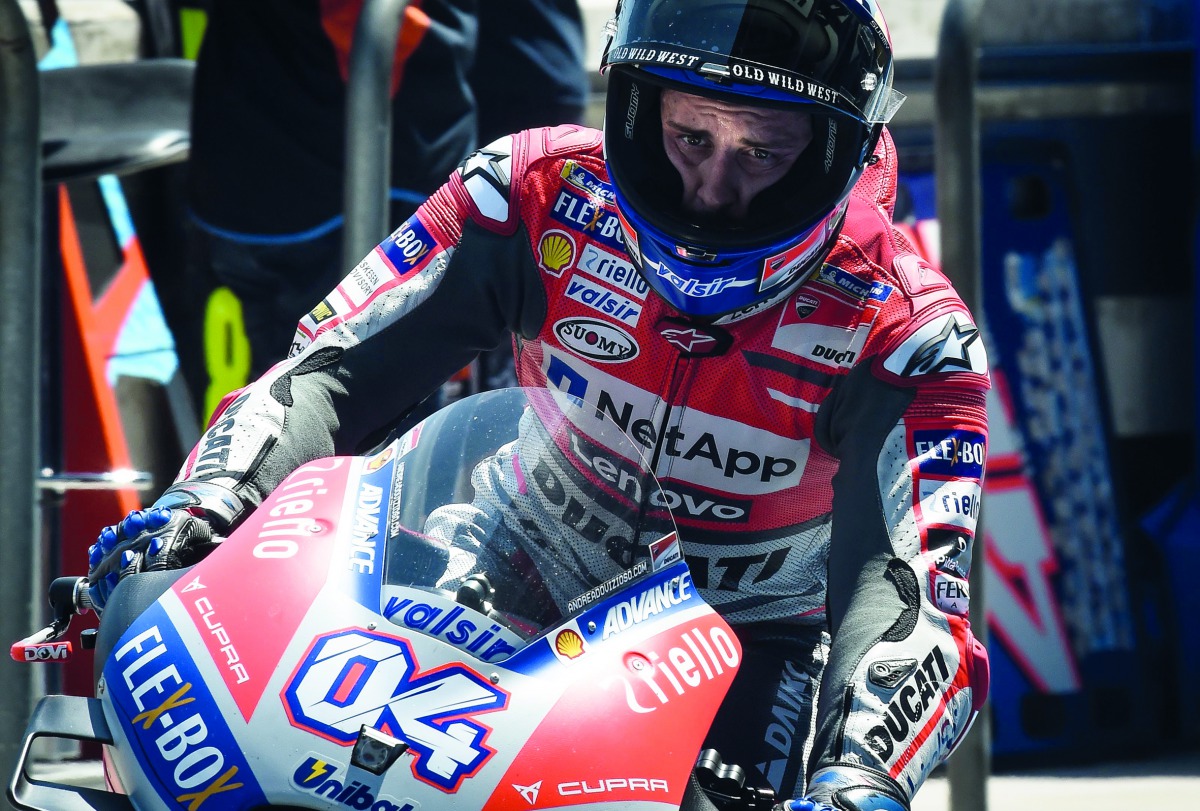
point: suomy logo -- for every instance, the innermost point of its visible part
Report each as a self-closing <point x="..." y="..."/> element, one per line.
<point x="596" y="340"/>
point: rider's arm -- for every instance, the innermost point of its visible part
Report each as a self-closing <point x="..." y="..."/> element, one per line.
<point x="416" y="309"/>
<point x="905" y="676"/>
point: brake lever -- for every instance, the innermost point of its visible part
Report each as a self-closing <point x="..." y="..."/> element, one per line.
<point x="68" y="596"/>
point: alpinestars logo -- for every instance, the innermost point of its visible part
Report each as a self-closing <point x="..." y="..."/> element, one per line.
<point x="485" y="174"/>
<point x="355" y="677"/>
<point x="948" y="344"/>
<point x="687" y="339"/>
<point x="693" y="340"/>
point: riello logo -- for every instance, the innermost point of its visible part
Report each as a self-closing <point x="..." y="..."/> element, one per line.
<point x="596" y="340"/>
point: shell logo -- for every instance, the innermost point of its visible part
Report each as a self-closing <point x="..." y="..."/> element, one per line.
<point x="381" y="459"/>
<point x="569" y="644"/>
<point x="555" y="252"/>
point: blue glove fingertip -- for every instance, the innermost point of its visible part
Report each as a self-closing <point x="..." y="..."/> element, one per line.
<point x="158" y="517"/>
<point x="156" y="545"/>
<point x="107" y="539"/>
<point x="95" y="555"/>
<point x="126" y="558"/>
<point x="134" y="524"/>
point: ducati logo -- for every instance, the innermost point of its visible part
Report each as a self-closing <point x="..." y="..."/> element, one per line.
<point x="695" y="340"/>
<point x="806" y="305"/>
<point x="529" y="793"/>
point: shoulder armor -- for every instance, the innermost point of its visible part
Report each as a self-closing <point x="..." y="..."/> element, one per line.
<point x="489" y="179"/>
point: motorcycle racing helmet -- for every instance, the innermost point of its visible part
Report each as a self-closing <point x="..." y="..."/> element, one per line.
<point x="829" y="58"/>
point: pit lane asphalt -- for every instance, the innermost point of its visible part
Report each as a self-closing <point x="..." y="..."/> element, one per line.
<point x="1167" y="782"/>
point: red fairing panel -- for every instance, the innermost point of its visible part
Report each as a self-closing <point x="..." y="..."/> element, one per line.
<point x="632" y="706"/>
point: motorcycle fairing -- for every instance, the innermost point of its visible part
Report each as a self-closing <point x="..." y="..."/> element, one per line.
<point x="168" y="721"/>
<point x="620" y="723"/>
<point x="284" y="634"/>
<point x="247" y="599"/>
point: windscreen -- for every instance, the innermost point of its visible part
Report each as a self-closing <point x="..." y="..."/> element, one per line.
<point x="518" y="508"/>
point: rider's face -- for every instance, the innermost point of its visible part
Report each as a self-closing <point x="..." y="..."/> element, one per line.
<point x="727" y="153"/>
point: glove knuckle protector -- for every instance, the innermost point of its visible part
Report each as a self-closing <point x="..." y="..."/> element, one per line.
<point x="175" y="532"/>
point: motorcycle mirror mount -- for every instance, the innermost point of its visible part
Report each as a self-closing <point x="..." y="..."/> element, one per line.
<point x="476" y="592"/>
<point x="376" y="751"/>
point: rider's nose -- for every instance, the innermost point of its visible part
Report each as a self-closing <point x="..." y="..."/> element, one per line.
<point x="718" y="188"/>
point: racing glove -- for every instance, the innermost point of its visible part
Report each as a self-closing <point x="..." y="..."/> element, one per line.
<point x="849" y="788"/>
<point x="176" y="531"/>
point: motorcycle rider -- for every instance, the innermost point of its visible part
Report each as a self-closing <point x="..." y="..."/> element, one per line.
<point x="718" y="273"/>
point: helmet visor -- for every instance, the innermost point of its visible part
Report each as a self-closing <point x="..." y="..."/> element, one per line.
<point x="819" y="51"/>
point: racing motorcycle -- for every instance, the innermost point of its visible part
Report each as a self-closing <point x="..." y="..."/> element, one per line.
<point x="489" y="612"/>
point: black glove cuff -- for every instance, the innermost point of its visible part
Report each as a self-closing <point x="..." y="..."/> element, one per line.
<point x="220" y="506"/>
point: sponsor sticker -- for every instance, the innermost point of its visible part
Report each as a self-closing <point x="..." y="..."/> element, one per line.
<point x="583" y="214"/>
<point x="568" y="643"/>
<point x="367" y="277"/>
<point x="355" y="677"/>
<point x="587" y="182"/>
<point x="332" y="783"/>
<point x="435" y="616"/>
<point x="408" y="246"/>
<point x="179" y="732"/>
<point x="951" y="594"/>
<point x="952" y="503"/>
<point x="651" y="602"/>
<point x="608" y="267"/>
<point x="705" y="450"/>
<point x="596" y="340"/>
<point x="858" y="289"/>
<point x="665" y="552"/>
<point x="677" y="662"/>
<point x="695" y="287"/>
<point x="955" y="453"/>
<point x="556" y="252"/>
<point x="603" y="300"/>
<point x="380" y="459"/>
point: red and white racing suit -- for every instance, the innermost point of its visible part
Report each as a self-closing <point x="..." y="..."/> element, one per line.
<point x="823" y="452"/>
